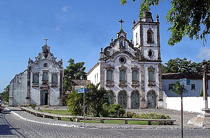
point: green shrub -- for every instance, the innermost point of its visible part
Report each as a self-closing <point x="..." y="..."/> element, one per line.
<point x="129" y="115"/>
<point x="46" y="106"/>
<point x="115" y="110"/>
<point x="33" y="106"/>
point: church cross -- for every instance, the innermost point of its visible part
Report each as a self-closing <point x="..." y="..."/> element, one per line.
<point x="46" y="41"/>
<point x="121" y="21"/>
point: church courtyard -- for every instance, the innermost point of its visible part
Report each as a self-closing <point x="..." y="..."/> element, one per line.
<point x="17" y="123"/>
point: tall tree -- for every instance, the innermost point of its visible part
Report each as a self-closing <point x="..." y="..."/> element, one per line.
<point x="183" y="66"/>
<point x="188" y="18"/>
<point x="73" y="71"/>
<point x="5" y="94"/>
<point x="96" y="98"/>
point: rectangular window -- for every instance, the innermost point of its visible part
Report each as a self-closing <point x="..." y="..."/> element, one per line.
<point x="109" y="75"/>
<point x="170" y="86"/>
<point x="45" y="76"/>
<point x="122" y="76"/>
<point x="192" y="86"/>
<point x="134" y="75"/>
<point x="151" y="76"/>
<point x="54" y="78"/>
<point x="36" y="78"/>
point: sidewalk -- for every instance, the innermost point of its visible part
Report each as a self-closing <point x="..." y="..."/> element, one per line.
<point x="174" y="114"/>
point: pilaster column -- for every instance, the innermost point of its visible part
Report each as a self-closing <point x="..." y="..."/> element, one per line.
<point x="143" y="101"/>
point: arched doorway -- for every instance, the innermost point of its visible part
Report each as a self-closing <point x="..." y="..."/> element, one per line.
<point x="44" y="97"/>
<point x="135" y="100"/>
<point x="122" y="99"/>
<point x="111" y="97"/>
<point x="151" y="99"/>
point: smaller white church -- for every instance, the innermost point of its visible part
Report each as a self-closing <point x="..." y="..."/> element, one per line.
<point x="131" y="69"/>
<point x="41" y="83"/>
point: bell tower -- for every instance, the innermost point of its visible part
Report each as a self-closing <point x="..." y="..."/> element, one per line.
<point x="146" y="37"/>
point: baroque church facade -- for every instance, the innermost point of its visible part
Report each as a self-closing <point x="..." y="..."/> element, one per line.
<point x="131" y="69"/>
<point x="41" y="83"/>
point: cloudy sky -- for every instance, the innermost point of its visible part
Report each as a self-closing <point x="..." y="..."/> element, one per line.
<point x="75" y="29"/>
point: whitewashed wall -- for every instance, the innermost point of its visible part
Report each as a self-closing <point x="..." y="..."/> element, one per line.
<point x="18" y="89"/>
<point x="94" y="76"/>
<point x="190" y="104"/>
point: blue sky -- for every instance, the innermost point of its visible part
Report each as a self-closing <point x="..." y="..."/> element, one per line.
<point x="75" y="29"/>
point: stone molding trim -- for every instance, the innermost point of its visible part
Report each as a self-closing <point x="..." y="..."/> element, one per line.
<point x="142" y="81"/>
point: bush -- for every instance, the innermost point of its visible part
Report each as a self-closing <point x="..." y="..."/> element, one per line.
<point x="115" y="110"/>
<point x="33" y="106"/>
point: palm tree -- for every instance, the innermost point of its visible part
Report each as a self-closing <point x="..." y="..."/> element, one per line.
<point x="179" y="89"/>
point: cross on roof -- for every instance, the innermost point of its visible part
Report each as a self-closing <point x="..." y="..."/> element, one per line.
<point x="46" y="41"/>
<point x="121" y="21"/>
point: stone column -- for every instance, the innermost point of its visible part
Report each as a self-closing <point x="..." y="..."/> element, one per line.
<point x="143" y="101"/>
<point x="129" y="102"/>
<point x="160" y="98"/>
<point x="101" y="64"/>
<point x="61" y="87"/>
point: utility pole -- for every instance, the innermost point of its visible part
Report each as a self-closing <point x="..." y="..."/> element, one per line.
<point x="205" y="68"/>
<point x="182" y="111"/>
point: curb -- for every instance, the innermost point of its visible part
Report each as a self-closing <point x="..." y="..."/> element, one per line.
<point x="106" y="127"/>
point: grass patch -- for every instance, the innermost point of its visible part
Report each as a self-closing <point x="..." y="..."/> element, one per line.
<point x="59" y="112"/>
<point x="118" y="122"/>
<point x="65" y="112"/>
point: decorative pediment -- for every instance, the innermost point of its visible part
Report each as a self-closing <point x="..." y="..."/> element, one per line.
<point x="121" y="45"/>
<point x="45" y="55"/>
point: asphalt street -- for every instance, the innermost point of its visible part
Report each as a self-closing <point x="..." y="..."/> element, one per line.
<point x="13" y="126"/>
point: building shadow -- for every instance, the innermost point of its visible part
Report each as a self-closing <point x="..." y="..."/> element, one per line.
<point x="5" y="127"/>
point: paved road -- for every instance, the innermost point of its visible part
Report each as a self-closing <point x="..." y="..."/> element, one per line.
<point x="13" y="126"/>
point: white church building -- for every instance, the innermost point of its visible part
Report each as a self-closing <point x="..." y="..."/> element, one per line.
<point x="41" y="83"/>
<point x="131" y="69"/>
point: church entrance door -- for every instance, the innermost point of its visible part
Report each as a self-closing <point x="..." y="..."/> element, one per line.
<point x="44" y="98"/>
<point x="135" y="100"/>
<point x="123" y="99"/>
<point x="151" y="98"/>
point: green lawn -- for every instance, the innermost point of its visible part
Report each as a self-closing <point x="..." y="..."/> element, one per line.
<point x="60" y="112"/>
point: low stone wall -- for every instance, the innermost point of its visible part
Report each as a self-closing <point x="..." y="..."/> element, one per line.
<point x="190" y="104"/>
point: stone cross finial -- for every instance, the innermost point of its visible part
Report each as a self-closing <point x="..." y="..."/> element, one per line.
<point x="46" y="41"/>
<point x="121" y="21"/>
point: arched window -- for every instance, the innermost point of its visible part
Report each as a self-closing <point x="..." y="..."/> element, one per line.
<point x="135" y="100"/>
<point x="150" y="38"/>
<point x="122" y="99"/>
<point x="111" y="97"/>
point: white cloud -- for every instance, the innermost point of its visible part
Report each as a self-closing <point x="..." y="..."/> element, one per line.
<point x="65" y="8"/>
<point x="65" y="17"/>
<point x="204" y="53"/>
